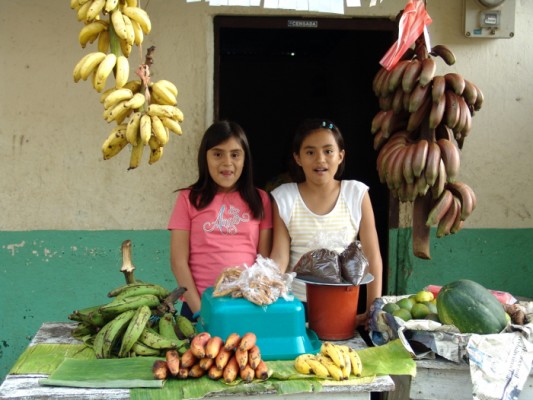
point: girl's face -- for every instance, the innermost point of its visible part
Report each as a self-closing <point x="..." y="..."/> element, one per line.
<point x="319" y="156"/>
<point x="225" y="162"/>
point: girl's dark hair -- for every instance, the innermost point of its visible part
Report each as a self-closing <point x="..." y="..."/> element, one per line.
<point x="204" y="189"/>
<point x="305" y="128"/>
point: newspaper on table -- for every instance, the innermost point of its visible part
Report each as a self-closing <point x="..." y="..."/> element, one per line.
<point x="500" y="364"/>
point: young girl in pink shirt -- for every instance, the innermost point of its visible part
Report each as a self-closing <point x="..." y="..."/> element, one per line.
<point x="222" y="219"/>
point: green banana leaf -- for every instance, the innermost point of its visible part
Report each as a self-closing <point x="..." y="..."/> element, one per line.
<point x="389" y="359"/>
<point x="105" y="373"/>
<point x="45" y="358"/>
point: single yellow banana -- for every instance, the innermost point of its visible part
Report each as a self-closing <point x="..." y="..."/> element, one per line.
<point x="82" y="11"/>
<point x="162" y="110"/>
<point x="104" y="70"/>
<point x="90" y="64"/>
<point x="136" y="102"/>
<point x="90" y="32"/>
<point x="335" y="372"/>
<point x="301" y="365"/>
<point x="94" y="10"/>
<point x="114" y="143"/>
<point x="110" y="5"/>
<point x="130" y="33"/>
<point x="145" y="129"/>
<point x="163" y="97"/>
<point x="160" y="131"/>
<point x="132" y="130"/>
<point x="166" y="84"/>
<point x="117" y="95"/>
<point x="163" y="94"/>
<point x="76" y="73"/>
<point x="355" y="360"/>
<point x="75" y="4"/>
<point x="333" y="352"/>
<point x="318" y="368"/>
<point x="138" y="32"/>
<point x="139" y="15"/>
<point x="117" y="113"/>
<point x="122" y="72"/>
<point x="106" y="93"/>
<point x="134" y="85"/>
<point x="118" y="24"/>
<point x="136" y="155"/>
<point x="104" y="41"/>
<point x="121" y="116"/>
<point x="155" y="155"/>
<point x="125" y="47"/>
<point x="347" y="370"/>
<point x="171" y="124"/>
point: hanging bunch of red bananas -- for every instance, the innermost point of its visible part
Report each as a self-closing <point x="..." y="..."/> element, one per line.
<point x="419" y="132"/>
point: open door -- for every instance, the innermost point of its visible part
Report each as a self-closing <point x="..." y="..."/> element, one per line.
<point x="272" y="72"/>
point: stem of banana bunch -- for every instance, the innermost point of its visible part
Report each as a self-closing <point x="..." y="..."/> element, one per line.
<point x="421" y="232"/>
<point x="114" y="41"/>
<point x="127" y="265"/>
<point x="144" y="73"/>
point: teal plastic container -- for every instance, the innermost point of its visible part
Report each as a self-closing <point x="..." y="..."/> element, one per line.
<point x="280" y="327"/>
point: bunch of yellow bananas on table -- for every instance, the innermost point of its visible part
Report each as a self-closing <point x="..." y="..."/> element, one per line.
<point x="145" y="112"/>
<point x="334" y="361"/>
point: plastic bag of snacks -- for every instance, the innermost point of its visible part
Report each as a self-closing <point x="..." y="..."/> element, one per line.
<point x="262" y="283"/>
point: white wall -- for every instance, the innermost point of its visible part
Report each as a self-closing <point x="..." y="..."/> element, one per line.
<point x="51" y="129"/>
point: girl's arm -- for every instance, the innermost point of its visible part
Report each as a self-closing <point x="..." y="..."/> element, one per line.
<point x="370" y="244"/>
<point x="265" y="242"/>
<point x="281" y="241"/>
<point x="179" y="260"/>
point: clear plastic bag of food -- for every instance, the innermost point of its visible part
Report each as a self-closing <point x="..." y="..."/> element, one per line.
<point x="353" y="263"/>
<point x="320" y="265"/>
<point x="336" y="259"/>
<point x="262" y="283"/>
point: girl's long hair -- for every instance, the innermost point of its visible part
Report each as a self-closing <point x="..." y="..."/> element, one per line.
<point x="204" y="189"/>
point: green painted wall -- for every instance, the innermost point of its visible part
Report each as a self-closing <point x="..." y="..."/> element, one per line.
<point x="45" y="275"/>
<point x="499" y="259"/>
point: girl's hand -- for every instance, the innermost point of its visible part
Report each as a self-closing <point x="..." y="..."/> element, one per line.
<point x="362" y="320"/>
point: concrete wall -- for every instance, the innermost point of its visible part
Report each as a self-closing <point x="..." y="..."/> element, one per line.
<point x="66" y="211"/>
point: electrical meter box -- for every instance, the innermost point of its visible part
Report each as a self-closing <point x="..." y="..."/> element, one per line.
<point x="489" y="19"/>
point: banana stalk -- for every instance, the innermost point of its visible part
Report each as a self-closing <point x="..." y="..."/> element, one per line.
<point x="127" y="265"/>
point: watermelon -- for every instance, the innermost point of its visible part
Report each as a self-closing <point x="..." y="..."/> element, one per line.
<point x="470" y="307"/>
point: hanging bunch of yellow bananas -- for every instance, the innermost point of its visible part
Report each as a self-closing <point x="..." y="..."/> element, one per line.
<point x="144" y="112"/>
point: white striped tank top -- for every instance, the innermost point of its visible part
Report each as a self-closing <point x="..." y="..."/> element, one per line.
<point x="308" y="230"/>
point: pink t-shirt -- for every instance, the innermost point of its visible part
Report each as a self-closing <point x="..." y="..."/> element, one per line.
<point x="223" y="234"/>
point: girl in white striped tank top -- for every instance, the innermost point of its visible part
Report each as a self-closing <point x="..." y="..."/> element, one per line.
<point x="318" y="201"/>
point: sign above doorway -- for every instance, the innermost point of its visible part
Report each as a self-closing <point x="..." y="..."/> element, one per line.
<point x="325" y="6"/>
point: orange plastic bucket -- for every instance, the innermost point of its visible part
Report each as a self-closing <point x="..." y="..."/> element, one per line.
<point x="332" y="310"/>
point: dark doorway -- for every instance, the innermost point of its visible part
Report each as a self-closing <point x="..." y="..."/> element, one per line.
<point x="272" y="72"/>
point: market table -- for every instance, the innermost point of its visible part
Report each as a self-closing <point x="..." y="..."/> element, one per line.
<point x="434" y="376"/>
<point x="27" y="387"/>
